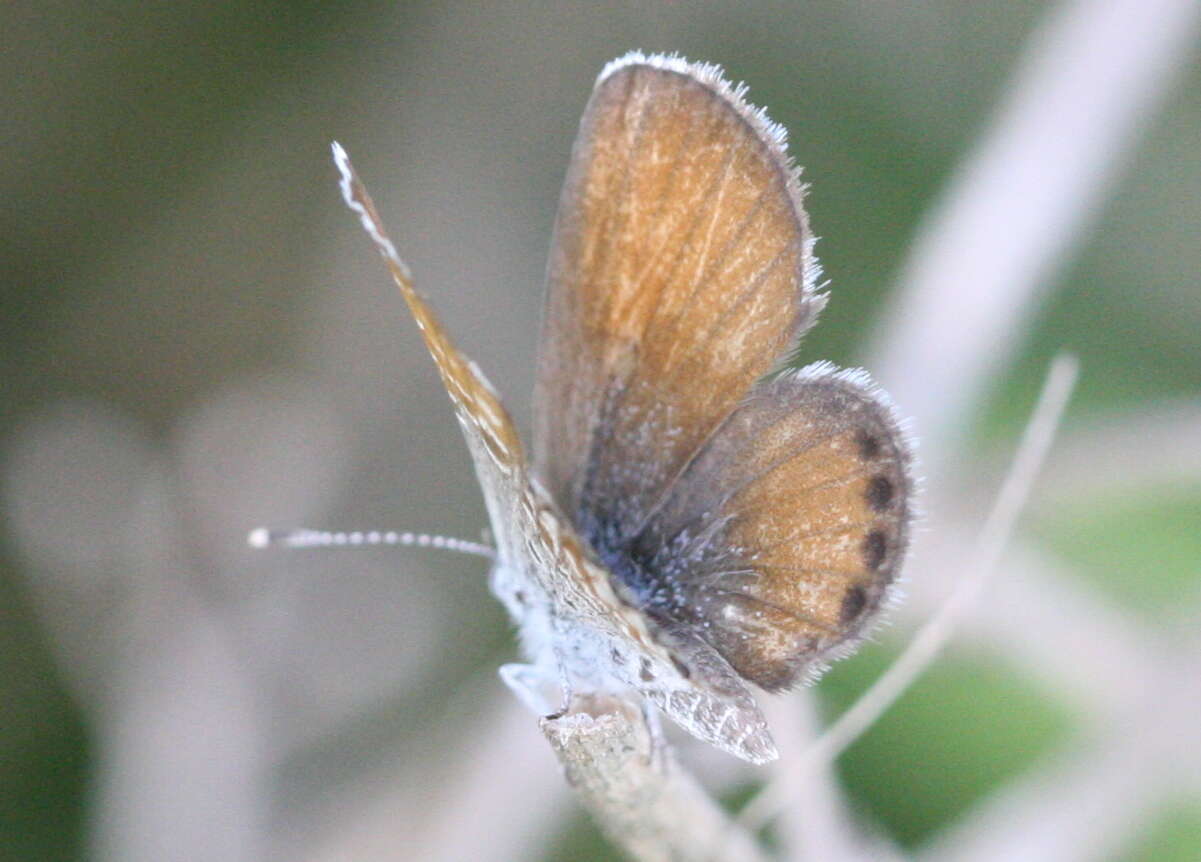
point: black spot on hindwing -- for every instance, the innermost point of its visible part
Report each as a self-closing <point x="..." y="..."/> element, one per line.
<point x="875" y="549"/>
<point x="880" y="493"/>
<point x="854" y="602"/>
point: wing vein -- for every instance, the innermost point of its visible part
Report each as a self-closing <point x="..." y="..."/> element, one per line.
<point x="800" y="616"/>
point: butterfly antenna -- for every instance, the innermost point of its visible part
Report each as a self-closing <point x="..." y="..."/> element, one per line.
<point x="304" y="538"/>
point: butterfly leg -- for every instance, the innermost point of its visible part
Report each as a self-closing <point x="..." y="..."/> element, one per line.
<point x="532" y="684"/>
<point x="654" y="728"/>
<point x="564" y="688"/>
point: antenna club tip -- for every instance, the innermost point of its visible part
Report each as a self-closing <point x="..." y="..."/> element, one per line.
<point x="259" y="538"/>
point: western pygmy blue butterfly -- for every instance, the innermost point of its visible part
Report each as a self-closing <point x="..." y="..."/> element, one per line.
<point x="695" y="515"/>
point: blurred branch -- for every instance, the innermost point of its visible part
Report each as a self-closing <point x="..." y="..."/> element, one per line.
<point x="1048" y="620"/>
<point x="1080" y="807"/>
<point x="816" y="825"/>
<point x="640" y="797"/>
<point x="994" y="536"/>
<point x="932" y="637"/>
<point x="156" y="664"/>
<point x="1086" y="806"/>
<point x="1091" y="77"/>
<point x="1145" y="446"/>
<point x="481" y="755"/>
<point x="1136" y="692"/>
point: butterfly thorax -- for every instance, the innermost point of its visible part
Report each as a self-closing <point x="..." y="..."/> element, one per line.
<point x="652" y="572"/>
<point x="571" y="614"/>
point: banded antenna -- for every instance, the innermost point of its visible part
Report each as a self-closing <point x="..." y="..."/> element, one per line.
<point x="301" y="537"/>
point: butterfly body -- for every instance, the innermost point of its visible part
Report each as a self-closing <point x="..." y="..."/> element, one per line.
<point x="696" y="516"/>
<point x="581" y="631"/>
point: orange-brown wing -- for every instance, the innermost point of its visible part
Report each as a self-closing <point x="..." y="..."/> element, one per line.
<point x="491" y="436"/>
<point x="542" y="566"/>
<point x="680" y="273"/>
<point x="778" y="543"/>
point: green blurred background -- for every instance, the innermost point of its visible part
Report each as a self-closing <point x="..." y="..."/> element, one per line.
<point x="179" y="275"/>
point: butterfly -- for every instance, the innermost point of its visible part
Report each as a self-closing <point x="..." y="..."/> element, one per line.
<point x="696" y="516"/>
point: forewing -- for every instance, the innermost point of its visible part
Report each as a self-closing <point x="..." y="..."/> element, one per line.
<point x="491" y="437"/>
<point x="680" y="273"/>
<point x="779" y="542"/>
<point x="534" y="542"/>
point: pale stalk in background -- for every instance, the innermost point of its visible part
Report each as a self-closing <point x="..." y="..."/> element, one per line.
<point x="1080" y="807"/>
<point x="937" y="632"/>
<point x="1080" y="99"/>
<point x="1048" y="137"/>
<point x="817" y="825"/>
<point x="420" y="796"/>
<point x="1132" y="50"/>
<point x="151" y="659"/>
<point x="1089" y="802"/>
<point x="1155" y="445"/>
<point x="1093" y="75"/>
<point x="994" y="536"/>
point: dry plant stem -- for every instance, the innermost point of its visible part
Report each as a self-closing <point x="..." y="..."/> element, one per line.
<point x="1082" y="805"/>
<point x="1081" y="96"/>
<point x="641" y="798"/>
<point x="1153" y="444"/>
<point x="1086" y="803"/>
<point x="1092" y="74"/>
<point x="817" y="825"/>
<point x="932" y="637"/>
<point x="935" y="635"/>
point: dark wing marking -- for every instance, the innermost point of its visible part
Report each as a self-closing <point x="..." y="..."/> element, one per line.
<point x="779" y="541"/>
<point x="680" y="274"/>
